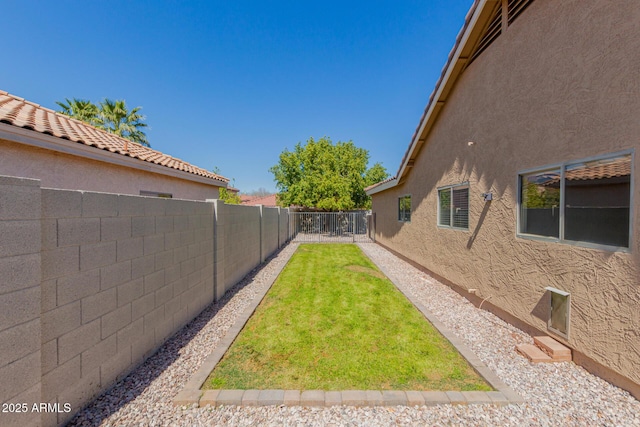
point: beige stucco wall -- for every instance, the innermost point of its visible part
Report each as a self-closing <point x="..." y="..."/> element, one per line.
<point x="562" y="83"/>
<point x="59" y="170"/>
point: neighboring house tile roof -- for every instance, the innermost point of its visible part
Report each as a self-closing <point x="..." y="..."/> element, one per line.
<point x="377" y="184"/>
<point x="24" y="114"/>
<point x="619" y="167"/>
<point x="600" y="170"/>
<point x="269" y="201"/>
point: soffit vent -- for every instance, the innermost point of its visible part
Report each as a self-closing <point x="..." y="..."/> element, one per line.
<point x="493" y="30"/>
<point x="516" y="7"/>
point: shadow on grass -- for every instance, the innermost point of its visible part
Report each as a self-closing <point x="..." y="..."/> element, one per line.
<point x="136" y="382"/>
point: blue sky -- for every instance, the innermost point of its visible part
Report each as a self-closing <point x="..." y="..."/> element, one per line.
<point x="231" y="84"/>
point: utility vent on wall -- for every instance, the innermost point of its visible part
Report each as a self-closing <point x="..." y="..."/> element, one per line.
<point x="493" y="30"/>
<point x="516" y="7"/>
<point x="559" y="312"/>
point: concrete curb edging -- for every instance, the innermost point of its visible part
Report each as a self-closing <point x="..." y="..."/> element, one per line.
<point x="191" y="394"/>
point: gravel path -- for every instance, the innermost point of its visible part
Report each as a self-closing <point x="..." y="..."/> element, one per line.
<point x="559" y="394"/>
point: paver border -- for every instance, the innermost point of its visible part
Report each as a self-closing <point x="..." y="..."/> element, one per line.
<point x="192" y="394"/>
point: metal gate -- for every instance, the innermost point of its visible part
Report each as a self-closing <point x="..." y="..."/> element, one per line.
<point x="345" y="227"/>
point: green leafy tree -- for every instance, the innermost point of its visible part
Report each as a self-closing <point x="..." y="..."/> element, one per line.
<point x="538" y="196"/>
<point x="114" y="117"/>
<point x="326" y="176"/>
<point x="229" y="197"/>
<point x="80" y="109"/>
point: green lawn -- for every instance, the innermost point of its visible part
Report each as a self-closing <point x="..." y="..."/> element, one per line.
<point x="333" y="321"/>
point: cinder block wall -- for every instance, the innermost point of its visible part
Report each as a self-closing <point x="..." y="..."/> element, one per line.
<point x="120" y="274"/>
<point x="93" y="283"/>
<point x="270" y="223"/>
<point x="241" y="241"/>
<point x="284" y="225"/>
<point x="20" y="379"/>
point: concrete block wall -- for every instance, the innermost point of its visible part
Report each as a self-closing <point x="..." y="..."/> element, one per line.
<point x="270" y="231"/>
<point x="244" y="236"/>
<point x="20" y="233"/>
<point x="120" y="274"/>
<point x="284" y="233"/>
<point x="241" y="241"/>
<point x="93" y="283"/>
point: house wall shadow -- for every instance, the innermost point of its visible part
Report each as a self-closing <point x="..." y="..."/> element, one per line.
<point x="541" y="309"/>
<point x="483" y="215"/>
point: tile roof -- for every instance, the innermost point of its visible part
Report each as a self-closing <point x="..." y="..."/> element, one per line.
<point x="24" y="114"/>
<point x="594" y="170"/>
<point x="270" y="200"/>
<point x="377" y="184"/>
<point x="612" y="169"/>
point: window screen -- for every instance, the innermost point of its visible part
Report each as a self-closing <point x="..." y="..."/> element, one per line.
<point x="444" y="210"/>
<point x="597" y="199"/>
<point x="587" y="201"/>
<point x="404" y="208"/>
<point x="453" y="206"/>
<point x="460" y="208"/>
<point x="540" y="206"/>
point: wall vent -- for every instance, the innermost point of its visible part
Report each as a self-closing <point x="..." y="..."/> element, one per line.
<point x="559" y="312"/>
<point x="493" y="30"/>
<point x="515" y="8"/>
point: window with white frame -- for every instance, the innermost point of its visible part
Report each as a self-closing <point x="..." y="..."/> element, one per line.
<point x="404" y="208"/>
<point x="585" y="202"/>
<point x="156" y="194"/>
<point x="453" y="206"/>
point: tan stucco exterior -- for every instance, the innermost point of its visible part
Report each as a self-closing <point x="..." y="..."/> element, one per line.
<point x="66" y="171"/>
<point x="561" y="83"/>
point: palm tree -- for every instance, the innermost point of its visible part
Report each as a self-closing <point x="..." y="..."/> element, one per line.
<point x="80" y="109"/>
<point x="114" y="117"/>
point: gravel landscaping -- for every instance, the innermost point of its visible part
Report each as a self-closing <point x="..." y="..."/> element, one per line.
<point x="555" y="394"/>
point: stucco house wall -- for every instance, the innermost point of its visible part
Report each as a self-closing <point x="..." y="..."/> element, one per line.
<point x="65" y="171"/>
<point x="562" y="83"/>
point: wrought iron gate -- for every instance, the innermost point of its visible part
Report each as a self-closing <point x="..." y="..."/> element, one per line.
<point x="345" y="227"/>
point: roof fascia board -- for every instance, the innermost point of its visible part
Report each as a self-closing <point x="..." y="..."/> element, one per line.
<point x="49" y="142"/>
<point x="382" y="187"/>
<point x="453" y="64"/>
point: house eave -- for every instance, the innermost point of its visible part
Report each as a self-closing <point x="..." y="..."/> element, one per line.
<point x="39" y="140"/>
<point x="457" y="61"/>
<point x="382" y="187"/>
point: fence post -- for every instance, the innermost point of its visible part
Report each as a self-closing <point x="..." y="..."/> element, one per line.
<point x="262" y="250"/>
<point x="218" y="249"/>
<point x="353" y="227"/>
